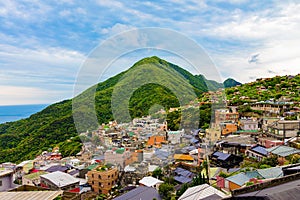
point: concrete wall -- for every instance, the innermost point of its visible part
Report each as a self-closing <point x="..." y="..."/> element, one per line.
<point x="6" y="182"/>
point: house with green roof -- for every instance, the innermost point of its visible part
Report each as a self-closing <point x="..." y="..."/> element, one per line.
<point x="283" y="151"/>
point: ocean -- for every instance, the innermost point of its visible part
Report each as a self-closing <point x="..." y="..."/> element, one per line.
<point x="16" y="112"/>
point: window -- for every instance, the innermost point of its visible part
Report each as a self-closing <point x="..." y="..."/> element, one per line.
<point x="99" y="176"/>
<point x="0" y="183"/>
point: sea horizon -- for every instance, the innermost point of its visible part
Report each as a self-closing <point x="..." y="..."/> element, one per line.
<point x="10" y="113"/>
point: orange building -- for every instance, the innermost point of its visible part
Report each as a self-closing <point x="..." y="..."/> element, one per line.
<point x="183" y="157"/>
<point x="103" y="178"/>
<point x="156" y="140"/>
<point x="227" y="128"/>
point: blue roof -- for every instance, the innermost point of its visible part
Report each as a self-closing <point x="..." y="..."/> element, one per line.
<point x="183" y="175"/>
<point x="59" y="168"/>
<point x="261" y="150"/>
<point x="141" y="192"/>
<point x="183" y="172"/>
<point x="182" y="179"/>
<point x="161" y="154"/>
<point x="221" y="156"/>
<point x="194" y="140"/>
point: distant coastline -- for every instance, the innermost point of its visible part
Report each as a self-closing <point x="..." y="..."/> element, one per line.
<point x="9" y="113"/>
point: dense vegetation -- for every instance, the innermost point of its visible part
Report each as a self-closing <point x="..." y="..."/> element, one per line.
<point x="228" y="83"/>
<point x="276" y="88"/>
<point x="54" y="125"/>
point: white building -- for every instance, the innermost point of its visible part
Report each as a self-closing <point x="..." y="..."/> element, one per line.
<point x="150" y="181"/>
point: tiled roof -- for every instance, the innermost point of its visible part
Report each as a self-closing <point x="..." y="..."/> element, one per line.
<point x="283" y="150"/>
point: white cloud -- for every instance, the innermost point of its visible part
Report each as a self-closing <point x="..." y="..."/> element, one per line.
<point x="17" y="95"/>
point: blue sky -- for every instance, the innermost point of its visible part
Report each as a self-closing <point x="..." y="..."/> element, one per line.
<point x="44" y="43"/>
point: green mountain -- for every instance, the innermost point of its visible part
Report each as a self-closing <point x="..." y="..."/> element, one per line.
<point x="228" y="83"/>
<point x="54" y="126"/>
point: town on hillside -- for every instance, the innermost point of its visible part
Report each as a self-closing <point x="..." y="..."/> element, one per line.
<point x="250" y="150"/>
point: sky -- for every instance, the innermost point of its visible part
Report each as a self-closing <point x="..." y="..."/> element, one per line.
<point x="43" y="44"/>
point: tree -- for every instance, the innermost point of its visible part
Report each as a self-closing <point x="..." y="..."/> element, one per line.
<point x="184" y="187"/>
<point x="165" y="190"/>
<point x="157" y="173"/>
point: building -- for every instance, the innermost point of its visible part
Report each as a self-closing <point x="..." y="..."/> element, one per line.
<point x="60" y="181"/>
<point x="141" y="192"/>
<point x="225" y="160"/>
<point x="284" y="128"/>
<point x="6" y="179"/>
<point x="30" y="195"/>
<point x="32" y="179"/>
<point x="183" y="176"/>
<point x="228" y="128"/>
<point x="186" y="158"/>
<point x="119" y="157"/>
<point x="156" y="140"/>
<point x="150" y="181"/>
<point x="248" y="124"/>
<point x="270" y="142"/>
<point x="174" y="137"/>
<point x="279" y="188"/>
<point x="224" y="115"/>
<point x="283" y="151"/>
<point x="24" y="168"/>
<point x="203" y="191"/>
<point x="103" y="178"/>
<point x="258" y="152"/>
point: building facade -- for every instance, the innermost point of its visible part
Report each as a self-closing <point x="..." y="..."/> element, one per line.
<point x="6" y="180"/>
<point x="103" y="178"/>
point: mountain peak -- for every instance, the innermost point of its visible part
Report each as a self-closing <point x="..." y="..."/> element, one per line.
<point x="231" y="83"/>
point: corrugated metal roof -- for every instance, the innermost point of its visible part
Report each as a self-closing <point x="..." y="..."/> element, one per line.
<point x="30" y="195"/>
<point x="239" y="179"/>
<point x="290" y="191"/>
<point x="283" y="150"/>
<point x="274" y="172"/>
<point x="60" y="179"/>
<point x="141" y="192"/>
